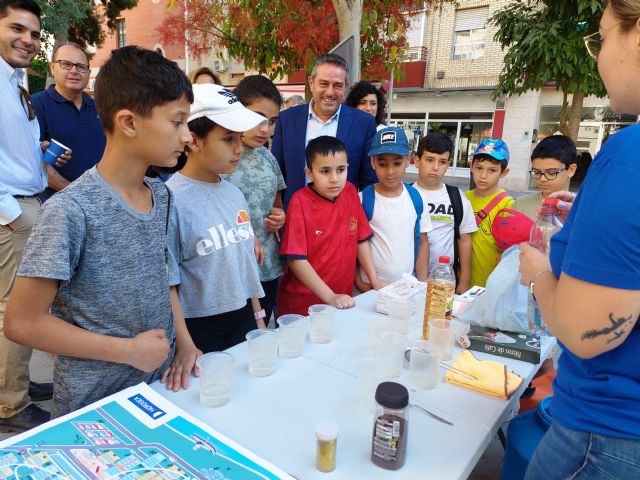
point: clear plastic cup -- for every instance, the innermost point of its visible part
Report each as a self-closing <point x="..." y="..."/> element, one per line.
<point x="263" y="352"/>
<point x="394" y="346"/>
<point x="372" y="371"/>
<point x="401" y="311"/>
<point x="441" y="337"/>
<point x="216" y="376"/>
<point x="322" y="317"/>
<point x="424" y="365"/>
<point x="377" y="326"/>
<point x="291" y="335"/>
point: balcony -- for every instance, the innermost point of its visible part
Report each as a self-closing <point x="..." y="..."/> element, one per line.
<point x="414" y="68"/>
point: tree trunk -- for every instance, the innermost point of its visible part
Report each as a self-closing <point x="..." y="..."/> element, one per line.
<point x="576" y="115"/>
<point x="349" y="13"/>
<point x="60" y="38"/>
<point x="563" y="127"/>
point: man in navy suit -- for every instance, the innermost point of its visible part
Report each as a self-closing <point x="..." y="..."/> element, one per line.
<point x="325" y="115"/>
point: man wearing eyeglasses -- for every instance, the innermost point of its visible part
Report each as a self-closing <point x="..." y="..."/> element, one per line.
<point x="553" y="163"/>
<point x="22" y="178"/>
<point x="69" y="115"/>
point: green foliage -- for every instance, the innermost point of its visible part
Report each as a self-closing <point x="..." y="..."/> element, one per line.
<point x="38" y="71"/>
<point x="80" y="20"/>
<point x="544" y="43"/>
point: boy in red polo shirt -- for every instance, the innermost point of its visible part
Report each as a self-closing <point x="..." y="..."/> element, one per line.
<point x="326" y="230"/>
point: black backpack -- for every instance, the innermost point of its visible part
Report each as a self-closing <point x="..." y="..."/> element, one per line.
<point x="456" y="203"/>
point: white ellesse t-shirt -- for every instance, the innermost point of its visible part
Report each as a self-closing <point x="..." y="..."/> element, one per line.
<point x="392" y="244"/>
<point x="438" y="205"/>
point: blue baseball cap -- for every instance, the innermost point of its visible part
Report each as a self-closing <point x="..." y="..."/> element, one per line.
<point x="390" y="140"/>
<point x="493" y="147"/>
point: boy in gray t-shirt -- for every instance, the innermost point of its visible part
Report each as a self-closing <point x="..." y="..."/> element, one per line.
<point x="93" y="285"/>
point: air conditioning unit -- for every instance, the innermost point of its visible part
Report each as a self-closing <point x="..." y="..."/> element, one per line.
<point x="219" y="66"/>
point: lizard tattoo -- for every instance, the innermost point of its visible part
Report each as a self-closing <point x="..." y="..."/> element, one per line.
<point x="615" y="325"/>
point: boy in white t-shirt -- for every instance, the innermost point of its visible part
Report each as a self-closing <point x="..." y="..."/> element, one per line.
<point x="450" y="212"/>
<point x="395" y="213"/>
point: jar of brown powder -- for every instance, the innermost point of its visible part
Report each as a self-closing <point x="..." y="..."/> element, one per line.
<point x="390" y="426"/>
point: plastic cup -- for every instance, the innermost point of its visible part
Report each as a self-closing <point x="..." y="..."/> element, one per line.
<point x="372" y="371"/>
<point x="441" y="337"/>
<point x="401" y="311"/>
<point x="291" y="335"/>
<point x="53" y="152"/>
<point x="263" y="352"/>
<point x="424" y="365"/>
<point x="377" y="326"/>
<point x="216" y="375"/>
<point x="394" y="346"/>
<point x="321" y="323"/>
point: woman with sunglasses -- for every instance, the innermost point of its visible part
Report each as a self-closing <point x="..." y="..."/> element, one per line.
<point x="589" y="292"/>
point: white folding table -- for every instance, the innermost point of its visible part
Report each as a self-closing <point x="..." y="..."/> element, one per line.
<point x="275" y="416"/>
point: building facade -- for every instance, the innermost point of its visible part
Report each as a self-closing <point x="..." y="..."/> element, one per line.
<point x="462" y="69"/>
<point x="451" y="70"/>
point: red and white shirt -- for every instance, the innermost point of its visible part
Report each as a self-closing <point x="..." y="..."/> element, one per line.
<point x="326" y="233"/>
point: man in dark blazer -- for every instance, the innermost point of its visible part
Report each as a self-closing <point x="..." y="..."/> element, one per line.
<point x="325" y="115"/>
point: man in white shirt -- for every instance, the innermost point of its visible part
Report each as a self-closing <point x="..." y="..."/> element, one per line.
<point x="324" y="115"/>
<point x="440" y="200"/>
<point x="22" y="178"/>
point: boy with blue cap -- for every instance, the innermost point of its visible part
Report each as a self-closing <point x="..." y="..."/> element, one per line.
<point x="490" y="163"/>
<point x="395" y="213"/>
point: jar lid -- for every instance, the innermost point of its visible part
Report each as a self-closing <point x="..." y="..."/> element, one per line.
<point x="392" y="395"/>
<point x="327" y="430"/>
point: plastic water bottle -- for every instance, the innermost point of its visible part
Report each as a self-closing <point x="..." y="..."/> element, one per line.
<point x="547" y="225"/>
<point x="440" y="289"/>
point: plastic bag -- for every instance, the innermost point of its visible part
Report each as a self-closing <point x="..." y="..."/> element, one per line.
<point x="504" y="303"/>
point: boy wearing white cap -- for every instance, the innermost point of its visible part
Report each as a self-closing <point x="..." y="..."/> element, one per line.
<point x="212" y="263"/>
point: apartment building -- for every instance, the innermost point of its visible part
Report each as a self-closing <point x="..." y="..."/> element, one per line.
<point x="462" y="65"/>
<point x="450" y="73"/>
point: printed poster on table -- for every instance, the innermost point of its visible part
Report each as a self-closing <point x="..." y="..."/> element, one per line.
<point x="134" y="434"/>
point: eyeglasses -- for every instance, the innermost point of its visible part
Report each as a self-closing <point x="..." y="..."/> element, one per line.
<point x="25" y="98"/>
<point x="548" y="174"/>
<point x="66" y="65"/>
<point x="593" y="42"/>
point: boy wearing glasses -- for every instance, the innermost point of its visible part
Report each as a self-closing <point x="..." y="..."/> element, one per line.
<point x="67" y="114"/>
<point x="553" y="164"/>
<point x="490" y="163"/>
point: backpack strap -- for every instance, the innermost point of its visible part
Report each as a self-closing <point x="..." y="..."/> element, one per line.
<point x="484" y="213"/>
<point x="368" y="201"/>
<point x="458" y="212"/>
<point x="416" y="199"/>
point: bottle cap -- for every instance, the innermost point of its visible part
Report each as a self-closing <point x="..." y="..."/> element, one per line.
<point x="327" y="430"/>
<point x="444" y="259"/>
<point x="550" y="202"/>
<point x="392" y="395"/>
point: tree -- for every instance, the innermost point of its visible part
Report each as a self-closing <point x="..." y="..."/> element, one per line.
<point x="279" y="37"/>
<point x="544" y="43"/>
<point x="80" y="21"/>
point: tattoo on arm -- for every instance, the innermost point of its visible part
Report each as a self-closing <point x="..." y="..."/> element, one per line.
<point x="616" y="328"/>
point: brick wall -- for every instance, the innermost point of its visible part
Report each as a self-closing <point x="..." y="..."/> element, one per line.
<point x="481" y="72"/>
<point x="142" y="23"/>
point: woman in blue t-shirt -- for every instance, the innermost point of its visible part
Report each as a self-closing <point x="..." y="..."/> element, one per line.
<point x="589" y="291"/>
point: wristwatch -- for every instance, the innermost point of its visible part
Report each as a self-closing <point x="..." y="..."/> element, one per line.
<point x="259" y="314"/>
<point x="533" y="281"/>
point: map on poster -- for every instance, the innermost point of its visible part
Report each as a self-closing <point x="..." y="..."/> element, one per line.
<point x="134" y="434"/>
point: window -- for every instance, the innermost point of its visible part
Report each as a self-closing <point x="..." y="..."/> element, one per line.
<point x="122" y="32"/>
<point x="469" y="33"/>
